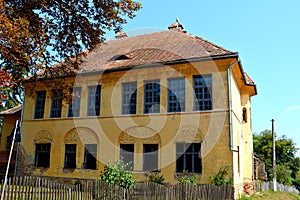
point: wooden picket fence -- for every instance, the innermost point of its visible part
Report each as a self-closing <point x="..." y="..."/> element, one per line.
<point x="23" y="188"/>
<point x="263" y="186"/>
<point x="37" y="188"/>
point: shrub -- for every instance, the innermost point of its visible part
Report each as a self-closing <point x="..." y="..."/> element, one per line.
<point x="221" y="177"/>
<point x="155" y="178"/>
<point x="188" y="179"/>
<point x="116" y="173"/>
<point x="284" y="175"/>
<point x="296" y="183"/>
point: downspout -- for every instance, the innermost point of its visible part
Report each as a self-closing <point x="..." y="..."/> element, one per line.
<point x="229" y="103"/>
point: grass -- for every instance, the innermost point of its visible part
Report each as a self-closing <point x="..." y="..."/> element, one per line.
<point x="271" y="195"/>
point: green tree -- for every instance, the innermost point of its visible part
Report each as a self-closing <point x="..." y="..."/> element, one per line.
<point x="37" y="34"/>
<point x="287" y="163"/>
<point x="116" y="173"/>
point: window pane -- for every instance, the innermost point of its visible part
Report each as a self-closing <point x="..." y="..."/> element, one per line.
<point x="90" y="156"/>
<point x="202" y="89"/>
<point x="94" y="96"/>
<point x="70" y="156"/>
<point x="197" y="164"/>
<point x="39" y="104"/>
<point x="74" y="106"/>
<point x="56" y="104"/>
<point x="188" y="163"/>
<point x="127" y="155"/>
<point x="42" y="155"/>
<point x="152" y="97"/>
<point x="150" y="157"/>
<point x="188" y="157"/>
<point x="176" y="95"/>
<point x="180" y="164"/>
<point x="129" y="92"/>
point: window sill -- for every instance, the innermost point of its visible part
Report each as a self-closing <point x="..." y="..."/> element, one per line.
<point x="89" y="169"/>
<point x="179" y="175"/>
<point x="41" y="169"/>
<point x="68" y="170"/>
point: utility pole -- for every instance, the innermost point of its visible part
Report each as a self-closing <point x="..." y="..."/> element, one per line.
<point x="274" y="157"/>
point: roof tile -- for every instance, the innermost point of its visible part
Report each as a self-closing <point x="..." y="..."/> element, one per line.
<point x="165" y="46"/>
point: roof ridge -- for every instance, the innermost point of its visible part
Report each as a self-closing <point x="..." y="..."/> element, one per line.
<point x="213" y="44"/>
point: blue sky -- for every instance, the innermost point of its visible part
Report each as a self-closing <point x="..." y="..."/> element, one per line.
<point x="265" y="33"/>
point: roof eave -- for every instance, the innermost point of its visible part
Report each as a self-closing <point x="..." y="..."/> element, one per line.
<point x="253" y="85"/>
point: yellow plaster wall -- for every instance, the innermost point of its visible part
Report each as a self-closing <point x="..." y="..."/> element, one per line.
<point x="210" y="127"/>
<point x="242" y="133"/>
<point x="9" y="123"/>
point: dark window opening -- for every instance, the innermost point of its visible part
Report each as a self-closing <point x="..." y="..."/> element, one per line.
<point x="40" y="104"/>
<point x="188" y="157"/>
<point x="245" y="117"/>
<point x="203" y="91"/>
<point x="176" y="95"/>
<point x="94" y="96"/>
<point x="129" y="92"/>
<point x="74" y="106"/>
<point x="70" y="156"/>
<point x="90" y="156"/>
<point x="56" y="104"/>
<point x="150" y="157"/>
<point x="152" y="97"/>
<point x="42" y="155"/>
<point x="122" y="57"/>
<point x="127" y="155"/>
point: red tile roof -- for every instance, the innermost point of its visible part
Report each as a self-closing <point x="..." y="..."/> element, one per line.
<point x="165" y="46"/>
<point x="248" y="79"/>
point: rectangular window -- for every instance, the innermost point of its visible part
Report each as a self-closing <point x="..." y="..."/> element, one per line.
<point x="188" y="157"/>
<point x="94" y="95"/>
<point x="90" y="156"/>
<point x="70" y="156"/>
<point x="127" y="155"/>
<point x="150" y="157"/>
<point x="203" y="91"/>
<point x="129" y="98"/>
<point x="42" y="155"/>
<point x="40" y="104"/>
<point x="152" y="97"/>
<point x="176" y="95"/>
<point x="56" y="104"/>
<point x="74" y="106"/>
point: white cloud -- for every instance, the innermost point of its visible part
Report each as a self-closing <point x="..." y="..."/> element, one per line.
<point x="293" y="108"/>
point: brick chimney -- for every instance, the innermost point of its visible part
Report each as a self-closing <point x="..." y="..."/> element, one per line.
<point x="177" y="26"/>
<point x="121" y="35"/>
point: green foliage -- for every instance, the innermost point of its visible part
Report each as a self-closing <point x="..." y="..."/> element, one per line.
<point x="284" y="175"/>
<point x="155" y="178"/>
<point x="296" y="183"/>
<point x="222" y="177"/>
<point x="38" y="34"/>
<point x="116" y="173"/>
<point x="286" y="160"/>
<point x="188" y="179"/>
<point x="269" y="194"/>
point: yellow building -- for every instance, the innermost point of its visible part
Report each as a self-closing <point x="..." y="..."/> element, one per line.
<point x="9" y="119"/>
<point x="166" y="101"/>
